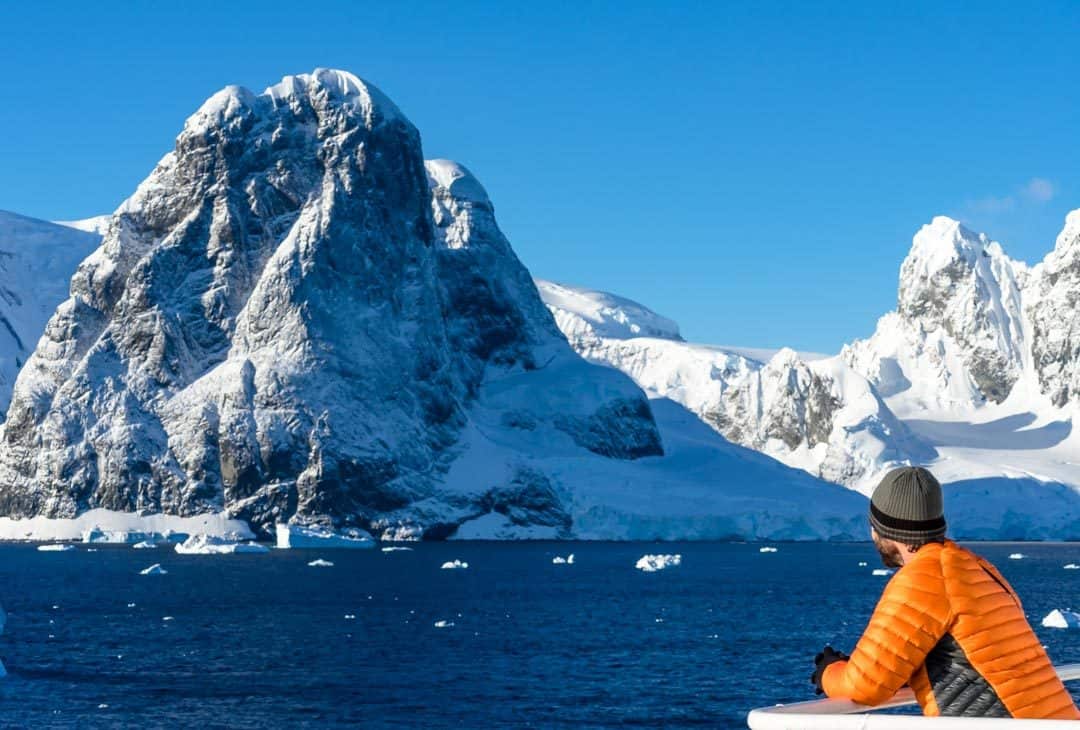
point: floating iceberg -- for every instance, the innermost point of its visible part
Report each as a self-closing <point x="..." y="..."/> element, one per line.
<point x="118" y="537"/>
<point x="1059" y="619"/>
<point x="454" y="565"/>
<point x="1072" y="566"/>
<point x="145" y="545"/>
<point x="320" y="563"/>
<point x="862" y="563"/>
<point x="300" y="536"/>
<point x="396" y="549"/>
<point x="881" y="571"/>
<point x="1017" y="556"/>
<point x="55" y="548"/>
<point x="443" y="624"/>
<point x="154" y="569"/>
<point x="653" y="563"/>
<point x="560" y="560"/>
<point x="767" y="550"/>
<point x="213" y="545"/>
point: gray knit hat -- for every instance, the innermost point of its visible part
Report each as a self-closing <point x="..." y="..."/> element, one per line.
<point x="907" y="506"/>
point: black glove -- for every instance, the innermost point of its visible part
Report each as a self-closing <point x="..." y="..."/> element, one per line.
<point x="827" y="656"/>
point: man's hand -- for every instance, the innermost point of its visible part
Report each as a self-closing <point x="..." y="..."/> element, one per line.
<point x="827" y="656"/>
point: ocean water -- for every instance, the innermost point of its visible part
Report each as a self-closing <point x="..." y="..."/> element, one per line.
<point x="258" y="641"/>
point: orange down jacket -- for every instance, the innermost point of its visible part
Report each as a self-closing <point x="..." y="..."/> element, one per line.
<point x="950" y="625"/>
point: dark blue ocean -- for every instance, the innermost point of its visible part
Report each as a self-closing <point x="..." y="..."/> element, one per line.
<point x="259" y="641"/>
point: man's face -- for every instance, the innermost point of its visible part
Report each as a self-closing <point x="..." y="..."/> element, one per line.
<point x="888" y="550"/>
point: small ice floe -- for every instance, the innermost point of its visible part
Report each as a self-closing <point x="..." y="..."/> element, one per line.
<point x="154" y="569"/>
<point x="304" y="536"/>
<point x="1017" y="556"/>
<point x="443" y="624"/>
<point x="1072" y="566"/>
<point x="145" y="545"/>
<point x="166" y="618"/>
<point x="350" y="617"/>
<point x="454" y="565"/>
<point x="881" y="571"/>
<point x="320" y="563"/>
<point x="56" y="548"/>
<point x="560" y="560"/>
<point x="653" y="563"/>
<point x="103" y="706"/>
<point x="213" y="545"/>
<point x="767" y="549"/>
<point x="131" y="605"/>
<point x="396" y="549"/>
<point x="1061" y="619"/>
<point x="862" y="563"/>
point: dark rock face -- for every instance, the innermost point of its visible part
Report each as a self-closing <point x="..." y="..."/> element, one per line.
<point x="285" y="322"/>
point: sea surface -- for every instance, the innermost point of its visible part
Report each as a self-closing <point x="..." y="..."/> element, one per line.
<point x="261" y="641"/>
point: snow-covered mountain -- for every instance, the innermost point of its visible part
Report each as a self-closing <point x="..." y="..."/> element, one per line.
<point x="294" y="318"/>
<point x="958" y="337"/>
<point x="37" y="259"/>
<point x="810" y="412"/>
<point x="976" y="374"/>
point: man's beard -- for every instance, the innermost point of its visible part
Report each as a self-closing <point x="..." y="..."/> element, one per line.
<point x="890" y="554"/>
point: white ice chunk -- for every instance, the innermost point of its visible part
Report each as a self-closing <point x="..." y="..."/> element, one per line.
<point x="767" y="549"/>
<point x="881" y="571"/>
<point x="56" y="548"/>
<point x="454" y="565"/>
<point x="320" y="563"/>
<point x="300" y="536"/>
<point x="1072" y="566"/>
<point x="653" y="563"/>
<point x="213" y="545"/>
<point x="154" y="569"/>
<point x="396" y="549"/>
<point x="560" y="560"/>
<point x="1061" y="619"/>
<point x="145" y="545"/>
<point x="862" y="563"/>
<point x="443" y="624"/>
<point x="1017" y="556"/>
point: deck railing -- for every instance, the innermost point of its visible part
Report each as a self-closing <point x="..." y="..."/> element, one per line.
<point x="845" y="715"/>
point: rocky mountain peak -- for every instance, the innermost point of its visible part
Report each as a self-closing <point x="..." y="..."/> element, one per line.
<point x="285" y="322"/>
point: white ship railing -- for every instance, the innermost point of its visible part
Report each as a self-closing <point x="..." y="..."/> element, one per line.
<point x="844" y="714"/>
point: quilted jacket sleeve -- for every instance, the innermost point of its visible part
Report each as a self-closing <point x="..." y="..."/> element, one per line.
<point x="909" y="620"/>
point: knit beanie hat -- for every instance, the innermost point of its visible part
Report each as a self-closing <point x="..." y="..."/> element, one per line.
<point x="907" y="506"/>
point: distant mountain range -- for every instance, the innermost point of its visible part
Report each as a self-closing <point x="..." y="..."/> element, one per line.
<point x="975" y="374"/>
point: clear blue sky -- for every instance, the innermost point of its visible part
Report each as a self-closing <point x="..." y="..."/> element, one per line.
<point x="755" y="171"/>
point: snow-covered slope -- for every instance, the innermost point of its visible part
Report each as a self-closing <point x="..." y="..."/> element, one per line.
<point x="586" y="315"/>
<point x="37" y="259"/>
<point x="293" y="318"/>
<point x="98" y="225"/>
<point x="810" y="412"/>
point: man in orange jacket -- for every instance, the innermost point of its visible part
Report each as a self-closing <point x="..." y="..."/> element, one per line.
<point x="948" y="624"/>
